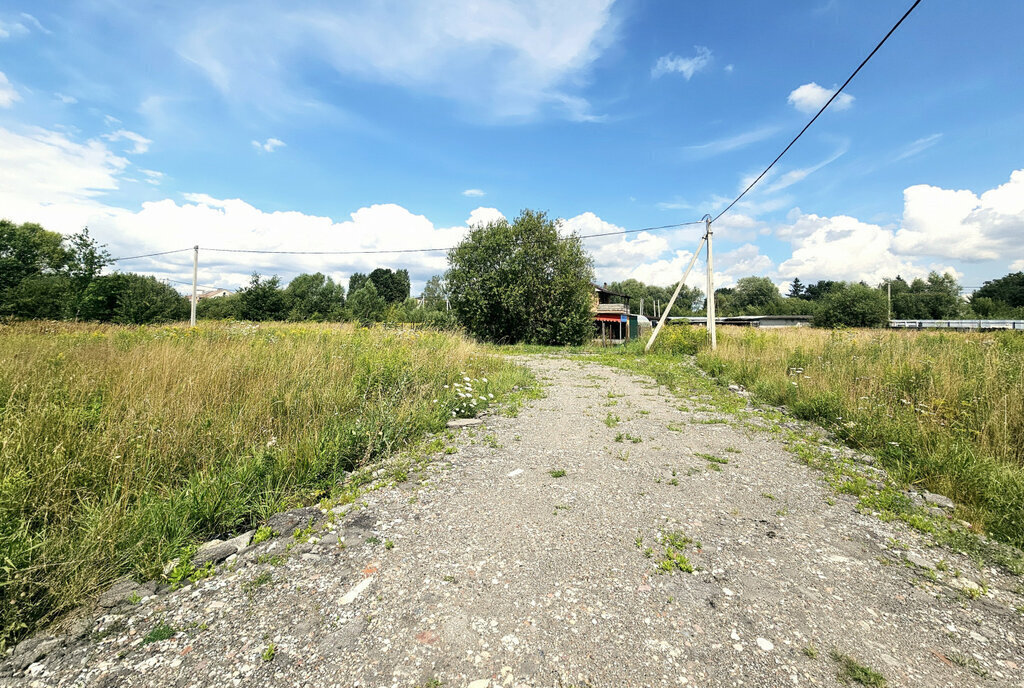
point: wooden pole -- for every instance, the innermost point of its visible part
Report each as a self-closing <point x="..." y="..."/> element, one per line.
<point x="195" y="286"/>
<point x="711" y="288"/>
<point x="679" y="286"/>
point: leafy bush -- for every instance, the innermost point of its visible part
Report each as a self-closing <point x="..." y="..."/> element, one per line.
<point x="522" y="282"/>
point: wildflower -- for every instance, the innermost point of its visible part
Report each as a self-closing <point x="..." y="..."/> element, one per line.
<point x="271" y="442"/>
<point x="467" y="379"/>
<point x="484" y="379"/>
<point x="490" y="396"/>
<point x="895" y="444"/>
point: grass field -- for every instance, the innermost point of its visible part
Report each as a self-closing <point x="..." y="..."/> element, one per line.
<point x="121" y="447"/>
<point x="942" y="411"/>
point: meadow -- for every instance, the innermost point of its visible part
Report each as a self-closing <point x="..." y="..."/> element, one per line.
<point x="122" y="447"/>
<point x="942" y="411"/>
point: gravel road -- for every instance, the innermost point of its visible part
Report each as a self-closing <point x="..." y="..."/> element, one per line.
<point x="492" y="569"/>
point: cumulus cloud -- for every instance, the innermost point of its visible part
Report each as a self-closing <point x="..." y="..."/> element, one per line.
<point x="810" y="97"/>
<point x="8" y="96"/>
<point x="140" y="144"/>
<point x="960" y="224"/>
<point x="483" y="216"/>
<point x="687" y="66"/>
<point x="503" y="58"/>
<point x="269" y="146"/>
<point x="1017" y="265"/>
<point x="842" y="248"/>
<point x="473" y="193"/>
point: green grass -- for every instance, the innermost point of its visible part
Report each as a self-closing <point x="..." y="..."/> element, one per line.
<point x="122" y="447"/>
<point x="942" y="411"/>
<point x="850" y="670"/>
<point x="161" y="631"/>
<point x="557" y="473"/>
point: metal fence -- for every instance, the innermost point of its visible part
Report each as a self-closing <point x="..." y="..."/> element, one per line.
<point x="957" y="324"/>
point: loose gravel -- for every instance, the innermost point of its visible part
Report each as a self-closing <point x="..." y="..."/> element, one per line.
<point x="494" y="569"/>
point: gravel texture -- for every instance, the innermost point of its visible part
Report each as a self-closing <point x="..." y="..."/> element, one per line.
<point x="487" y="570"/>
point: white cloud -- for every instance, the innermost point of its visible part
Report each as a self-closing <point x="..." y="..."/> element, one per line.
<point x="35" y="22"/>
<point x="799" y="174"/>
<point x="731" y="143"/>
<point x="687" y="66"/>
<point x="502" y="58"/>
<point x="67" y="100"/>
<point x="729" y="68"/>
<point x="8" y="29"/>
<point x="8" y="96"/>
<point x="483" y="216"/>
<point x="617" y="254"/>
<point x="810" y="97"/>
<point x="46" y="169"/>
<point x="918" y="146"/>
<point x="140" y="144"/>
<point x="1017" y="265"/>
<point x="152" y="176"/>
<point x="960" y="224"/>
<point x="473" y="193"/>
<point x="269" y="146"/>
<point x="842" y="248"/>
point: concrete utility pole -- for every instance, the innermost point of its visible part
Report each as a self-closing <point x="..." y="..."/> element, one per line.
<point x="888" y="288"/>
<point x="711" y="286"/>
<point x="195" y="286"/>
<point x="654" y="334"/>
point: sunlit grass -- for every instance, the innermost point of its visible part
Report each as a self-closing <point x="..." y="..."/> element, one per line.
<point x="120" y="447"/>
<point x="943" y="411"/>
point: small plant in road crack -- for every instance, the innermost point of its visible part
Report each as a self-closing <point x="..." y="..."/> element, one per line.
<point x="262" y="533"/>
<point x="852" y="670"/>
<point x="162" y="631"/>
<point x="557" y="473"/>
<point x="811" y="651"/>
<point x="675" y="560"/>
<point x="611" y="420"/>
<point x="269" y="652"/>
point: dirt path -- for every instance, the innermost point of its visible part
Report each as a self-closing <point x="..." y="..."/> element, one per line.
<point x="495" y="572"/>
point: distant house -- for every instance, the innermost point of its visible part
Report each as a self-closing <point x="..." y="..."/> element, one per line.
<point x="214" y="293"/>
<point x="613" y="323"/>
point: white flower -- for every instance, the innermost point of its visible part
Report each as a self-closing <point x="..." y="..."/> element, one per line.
<point x="484" y="379"/>
<point x="467" y="379"/>
<point x="490" y="396"/>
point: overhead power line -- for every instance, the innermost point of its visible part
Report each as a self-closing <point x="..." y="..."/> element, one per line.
<point x="432" y="250"/>
<point x="823" y="108"/>
<point x="149" y="255"/>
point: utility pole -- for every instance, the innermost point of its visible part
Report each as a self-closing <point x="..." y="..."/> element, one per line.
<point x="661" y="323"/>
<point x="195" y="286"/>
<point x="888" y="288"/>
<point x="711" y="285"/>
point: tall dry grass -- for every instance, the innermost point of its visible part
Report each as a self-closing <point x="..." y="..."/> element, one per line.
<point x="943" y="411"/>
<point x="119" y="447"/>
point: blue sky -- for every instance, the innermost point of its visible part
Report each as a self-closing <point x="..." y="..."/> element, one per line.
<point x="368" y="125"/>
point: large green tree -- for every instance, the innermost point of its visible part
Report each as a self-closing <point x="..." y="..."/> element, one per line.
<point x="1008" y="290"/>
<point x="757" y="295"/>
<point x="366" y="304"/>
<point x="44" y="274"/>
<point x="127" y="298"/>
<point x="520" y="281"/>
<point x="852" y="305"/>
<point x="392" y="285"/>
<point x="314" y="297"/>
<point x="263" y="299"/>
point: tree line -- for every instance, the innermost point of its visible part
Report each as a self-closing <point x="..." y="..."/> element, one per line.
<point x="518" y="281"/>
